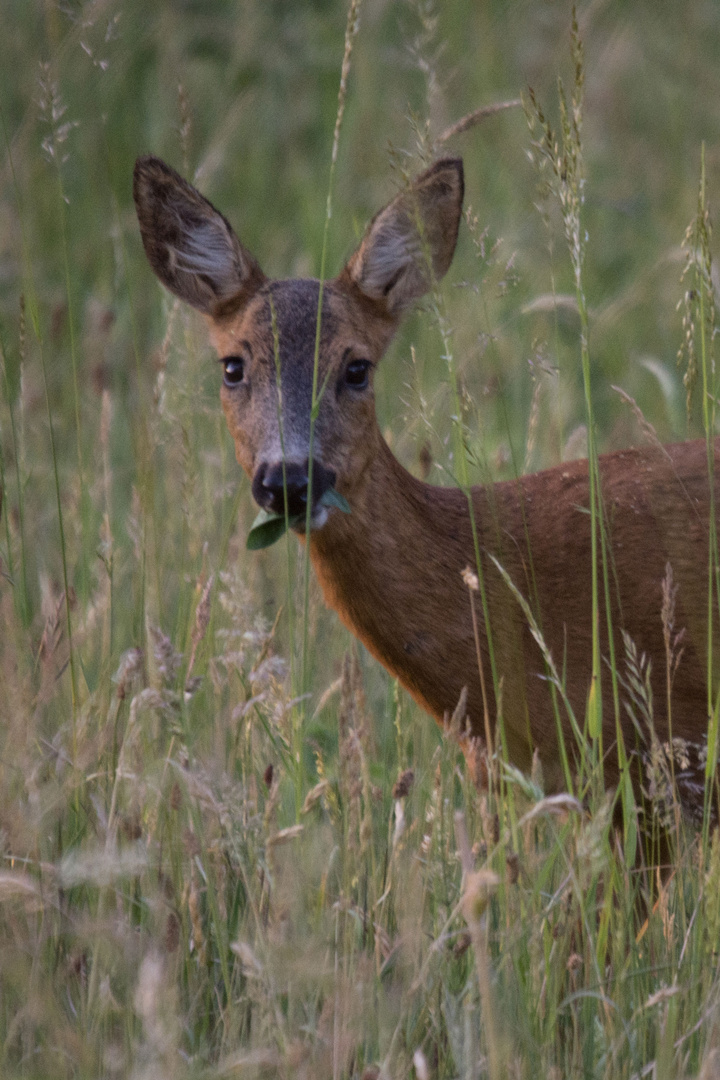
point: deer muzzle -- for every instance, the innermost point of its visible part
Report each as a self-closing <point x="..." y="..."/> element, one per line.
<point x="275" y="481"/>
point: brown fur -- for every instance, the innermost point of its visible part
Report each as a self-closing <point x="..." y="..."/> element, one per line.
<point x="392" y="567"/>
<point x="412" y="610"/>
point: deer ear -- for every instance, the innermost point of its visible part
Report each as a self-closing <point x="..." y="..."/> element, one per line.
<point x="189" y="244"/>
<point x="411" y="242"/>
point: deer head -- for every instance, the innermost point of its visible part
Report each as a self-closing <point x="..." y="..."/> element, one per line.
<point x="265" y="331"/>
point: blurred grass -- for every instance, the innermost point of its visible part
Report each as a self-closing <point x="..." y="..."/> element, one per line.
<point x="156" y="919"/>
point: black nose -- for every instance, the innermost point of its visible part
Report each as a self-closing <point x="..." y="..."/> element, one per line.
<point x="271" y="482"/>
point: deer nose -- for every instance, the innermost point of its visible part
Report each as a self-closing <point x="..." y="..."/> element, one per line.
<point x="271" y="481"/>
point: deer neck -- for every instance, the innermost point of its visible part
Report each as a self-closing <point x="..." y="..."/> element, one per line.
<point x="392" y="571"/>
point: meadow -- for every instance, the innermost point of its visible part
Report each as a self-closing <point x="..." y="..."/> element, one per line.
<point x="230" y="845"/>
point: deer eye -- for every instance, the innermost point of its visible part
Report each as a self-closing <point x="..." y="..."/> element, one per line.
<point x="357" y="374"/>
<point x="234" y="370"/>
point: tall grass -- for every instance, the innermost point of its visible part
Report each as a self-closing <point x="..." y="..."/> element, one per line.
<point x="201" y="875"/>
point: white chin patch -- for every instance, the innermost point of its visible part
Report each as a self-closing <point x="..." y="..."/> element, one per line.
<point x="319" y="517"/>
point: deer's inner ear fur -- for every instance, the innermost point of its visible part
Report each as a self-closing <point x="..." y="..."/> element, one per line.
<point x="189" y="244"/>
<point x="411" y="242"/>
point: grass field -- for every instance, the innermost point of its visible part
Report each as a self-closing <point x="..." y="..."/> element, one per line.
<point x="207" y="867"/>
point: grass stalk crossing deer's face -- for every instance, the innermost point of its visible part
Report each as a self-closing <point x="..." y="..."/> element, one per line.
<point x="265" y="331"/>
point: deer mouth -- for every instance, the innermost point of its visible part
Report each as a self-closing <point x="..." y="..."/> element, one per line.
<point x="283" y="488"/>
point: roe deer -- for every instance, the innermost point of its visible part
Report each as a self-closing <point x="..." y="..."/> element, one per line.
<point x="392" y="567"/>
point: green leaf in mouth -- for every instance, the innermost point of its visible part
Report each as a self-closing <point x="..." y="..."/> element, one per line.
<point x="331" y="497"/>
<point x="267" y="527"/>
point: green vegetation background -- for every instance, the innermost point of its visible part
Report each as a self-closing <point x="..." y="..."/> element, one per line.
<point x="110" y="425"/>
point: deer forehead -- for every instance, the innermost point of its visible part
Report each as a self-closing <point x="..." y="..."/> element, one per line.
<point x="292" y="306"/>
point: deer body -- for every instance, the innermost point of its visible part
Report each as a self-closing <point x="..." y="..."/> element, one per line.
<point x="392" y="567"/>
<point x="418" y="622"/>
